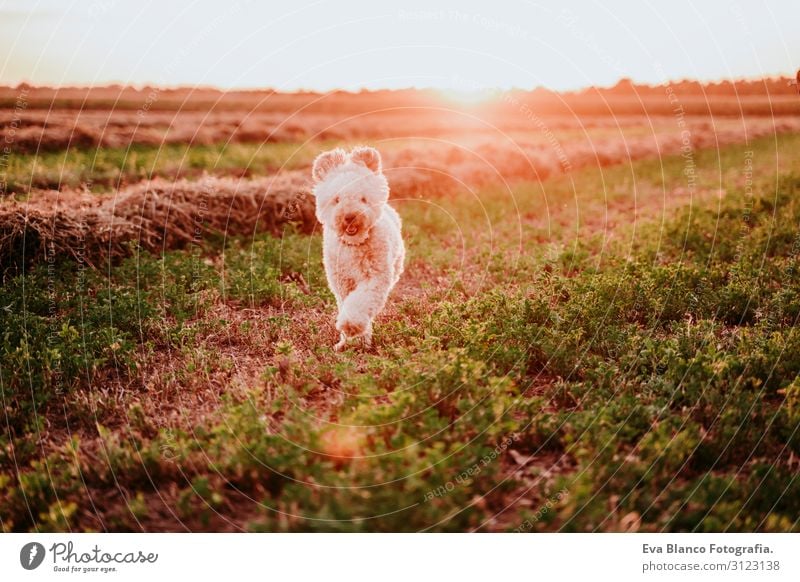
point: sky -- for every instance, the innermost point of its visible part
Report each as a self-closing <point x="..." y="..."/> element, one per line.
<point x="344" y="44"/>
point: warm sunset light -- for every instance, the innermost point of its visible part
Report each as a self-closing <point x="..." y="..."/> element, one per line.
<point x="426" y="266"/>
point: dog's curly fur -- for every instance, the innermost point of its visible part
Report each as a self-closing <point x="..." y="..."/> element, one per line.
<point x="363" y="247"/>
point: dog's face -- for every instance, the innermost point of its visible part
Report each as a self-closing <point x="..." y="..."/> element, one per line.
<point x="350" y="192"/>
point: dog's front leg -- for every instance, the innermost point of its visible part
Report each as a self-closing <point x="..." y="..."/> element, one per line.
<point x="360" y="308"/>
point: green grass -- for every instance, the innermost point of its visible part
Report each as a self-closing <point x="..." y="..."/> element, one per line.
<point x="98" y="169"/>
<point x="645" y="383"/>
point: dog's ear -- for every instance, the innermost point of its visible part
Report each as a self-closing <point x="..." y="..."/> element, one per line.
<point x="367" y="156"/>
<point x="327" y="161"/>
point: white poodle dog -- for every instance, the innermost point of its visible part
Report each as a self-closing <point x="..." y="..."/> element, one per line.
<point x="363" y="249"/>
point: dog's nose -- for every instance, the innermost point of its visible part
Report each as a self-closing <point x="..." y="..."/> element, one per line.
<point x="349" y="217"/>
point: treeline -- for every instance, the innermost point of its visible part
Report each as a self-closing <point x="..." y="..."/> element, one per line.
<point x="770" y="86"/>
<point x="768" y="96"/>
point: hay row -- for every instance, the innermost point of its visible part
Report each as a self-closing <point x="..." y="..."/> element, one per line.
<point x="156" y="215"/>
<point x="164" y="214"/>
<point x="441" y="168"/>
<point x="35" y="130"/>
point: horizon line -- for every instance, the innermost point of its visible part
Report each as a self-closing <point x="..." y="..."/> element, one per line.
<point x="426" y="88"/>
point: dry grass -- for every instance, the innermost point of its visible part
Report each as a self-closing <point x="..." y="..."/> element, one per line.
<point x="443" y="166"/>
<point x="157" y="215"/>
<point x="36" y="130"/>
<point x="164" y="214"/>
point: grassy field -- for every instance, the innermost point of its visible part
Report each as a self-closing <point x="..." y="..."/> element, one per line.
<point x="558" y="356"/>
<point x="100" y="169"/>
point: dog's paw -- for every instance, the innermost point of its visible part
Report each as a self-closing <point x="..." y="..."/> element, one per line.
<point x="340" y="345"/>
<point x="353" y="328"/>
<point x="353" y="324"/>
